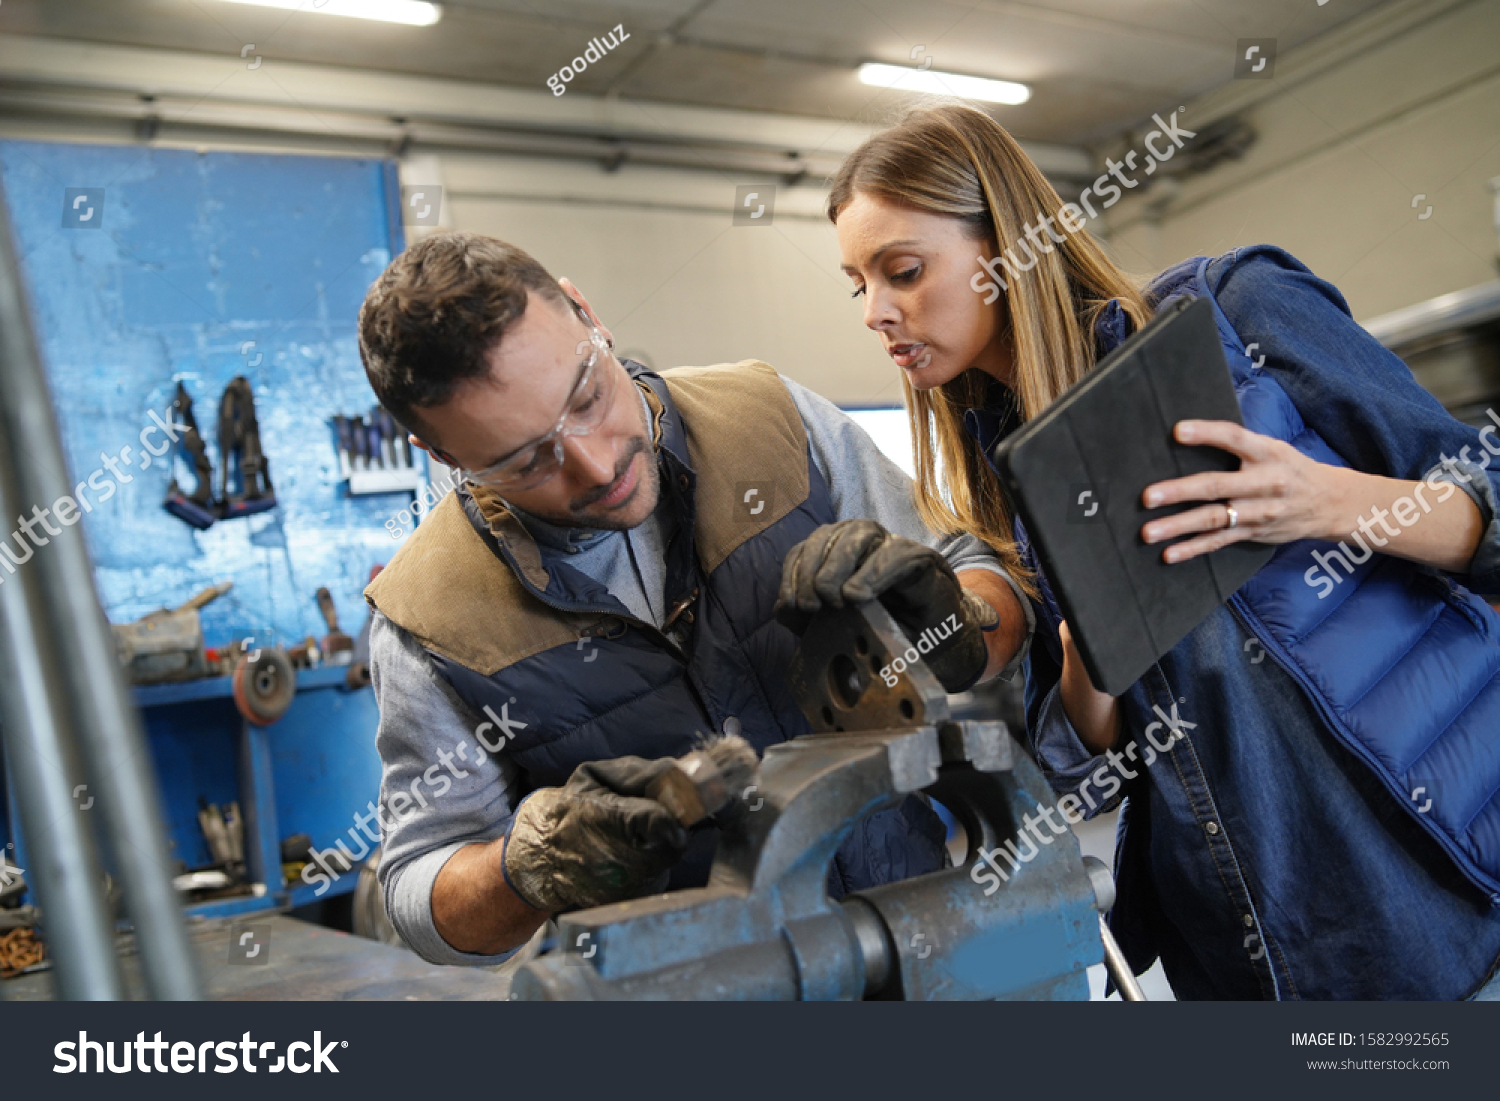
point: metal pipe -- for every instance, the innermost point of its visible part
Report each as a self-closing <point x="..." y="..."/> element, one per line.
<point x="41" y="754"/>
<point x="1114" y="959"/>
<point x="1118" y="966"/>
<point x="55" y="619"/>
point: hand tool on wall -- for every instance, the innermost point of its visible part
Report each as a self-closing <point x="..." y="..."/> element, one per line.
<point x="239" y="439"/>
<point x="375" y="438"/>
<point x="338" y="648"/>
<point x="375" y="455"/>
<point x="344" y="431"/>
<point x="197" y="508"/>
<point x="359" y="458"/>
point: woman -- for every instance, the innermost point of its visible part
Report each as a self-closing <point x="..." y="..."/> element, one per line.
<point x="1326" y="822"/>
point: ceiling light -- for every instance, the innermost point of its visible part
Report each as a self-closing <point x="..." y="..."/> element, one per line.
<point x="413" y="12"/>
<point x="941" y="83"/>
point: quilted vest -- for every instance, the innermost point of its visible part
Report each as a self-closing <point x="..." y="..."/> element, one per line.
<point x="1401" y="661"/>
<point x="515" y="628"/>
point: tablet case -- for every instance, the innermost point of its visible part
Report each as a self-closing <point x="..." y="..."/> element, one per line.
<point x="1076" y="473"/>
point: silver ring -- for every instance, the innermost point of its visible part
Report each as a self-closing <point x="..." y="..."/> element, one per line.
<point x="1234" y="516"/>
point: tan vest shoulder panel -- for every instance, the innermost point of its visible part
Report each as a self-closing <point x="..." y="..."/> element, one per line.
<point x="449" y="591"/>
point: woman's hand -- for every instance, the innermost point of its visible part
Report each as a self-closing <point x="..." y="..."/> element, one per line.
<point x="1095" y="715"/>
<point x="1278" y="495"/>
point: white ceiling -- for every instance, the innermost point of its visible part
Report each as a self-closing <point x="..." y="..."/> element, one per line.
<point x="1096" y="66"/>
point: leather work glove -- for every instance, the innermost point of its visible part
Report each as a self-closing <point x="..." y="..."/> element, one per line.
<point x="855" y="561"/>
<point x="595" y="840"/>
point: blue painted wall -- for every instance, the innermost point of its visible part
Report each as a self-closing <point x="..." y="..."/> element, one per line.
<point x="189" y="258"/>
<point x="186" y="259"/>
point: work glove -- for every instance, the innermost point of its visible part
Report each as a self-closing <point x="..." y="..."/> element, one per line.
<point x="856" y="561"/>
<point x="595" y="840"/>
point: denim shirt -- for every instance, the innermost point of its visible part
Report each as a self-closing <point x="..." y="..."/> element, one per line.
<point x="1257" y="857"/>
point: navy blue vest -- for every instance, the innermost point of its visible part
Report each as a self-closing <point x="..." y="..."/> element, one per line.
<point x="721" y="661"/>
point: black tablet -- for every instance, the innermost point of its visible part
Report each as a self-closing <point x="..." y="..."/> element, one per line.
<point x="1076" y="474"/>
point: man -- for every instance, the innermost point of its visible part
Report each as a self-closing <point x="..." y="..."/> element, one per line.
<point x="599" y="595"/>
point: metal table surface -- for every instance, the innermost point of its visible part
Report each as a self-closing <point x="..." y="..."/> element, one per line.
<point x="302" y="962"/>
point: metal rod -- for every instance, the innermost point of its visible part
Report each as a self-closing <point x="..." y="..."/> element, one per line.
<point x="55" y="618"/>
<point x="1119" y="968"/>
<point x="41" y="755"/>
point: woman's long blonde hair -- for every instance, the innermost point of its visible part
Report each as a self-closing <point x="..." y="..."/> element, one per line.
<point x="954" y="159"/>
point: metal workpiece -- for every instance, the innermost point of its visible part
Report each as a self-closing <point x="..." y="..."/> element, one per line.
<point x="846" y="675"/>
<point x="66" y="694"/>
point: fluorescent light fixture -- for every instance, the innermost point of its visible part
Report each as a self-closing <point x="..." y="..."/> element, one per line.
<point x="412" y="12"/>
<point x="943" y="84"/>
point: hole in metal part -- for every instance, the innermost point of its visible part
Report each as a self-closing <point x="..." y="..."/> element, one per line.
<point x="845" y="684"/>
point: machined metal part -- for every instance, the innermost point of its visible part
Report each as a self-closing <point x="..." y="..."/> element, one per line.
<point x="764" y="926"/>
<point x="845" y="675"/>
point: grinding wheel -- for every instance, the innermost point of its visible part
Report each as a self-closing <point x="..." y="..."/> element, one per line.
<point x="264" y="686"/>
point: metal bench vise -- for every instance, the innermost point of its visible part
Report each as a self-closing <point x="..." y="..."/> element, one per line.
<point x="764" y="926"/>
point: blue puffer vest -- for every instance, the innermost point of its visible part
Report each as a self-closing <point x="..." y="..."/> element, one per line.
<point x="514" y="628"/>
<point x="1402" y="662"/>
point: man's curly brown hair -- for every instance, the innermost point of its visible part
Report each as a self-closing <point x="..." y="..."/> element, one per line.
<point x="437" y="311"/>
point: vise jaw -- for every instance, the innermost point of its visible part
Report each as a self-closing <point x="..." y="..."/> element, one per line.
<point x="764" y="927"/>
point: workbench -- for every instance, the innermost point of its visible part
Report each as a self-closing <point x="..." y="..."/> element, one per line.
<point x="302" y="962"/>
